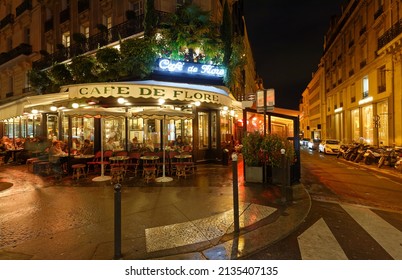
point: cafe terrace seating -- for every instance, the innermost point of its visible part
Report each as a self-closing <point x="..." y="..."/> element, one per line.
<point x="95" y="162"/>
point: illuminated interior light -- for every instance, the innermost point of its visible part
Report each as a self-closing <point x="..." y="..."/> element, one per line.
<point x="161" y="101"/>
<point x="53" y="108"/>
<point x="34" y="111"/>
<point x="121" y="100"/>
<point x="197" y="103"/>
<point x="225" y="108"/>
<point x="75" y="105"/>
<point x="338" y="110"/>
<point x="365" y="100"/>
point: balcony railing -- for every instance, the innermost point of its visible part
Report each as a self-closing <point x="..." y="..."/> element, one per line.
<point x="390" y="34"/>
<point x="363" y="30"/>
<point x="22" y="49"/>
<point x="94" y="42"/>
<point x="65" y="15"/>
<point x="8" y="19"/>
<point x="378" y="12"/>
<point x="25" y="6"/>
<point x="363" y="63"/>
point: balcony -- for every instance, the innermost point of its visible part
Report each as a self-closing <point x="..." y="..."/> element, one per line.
<point x="25" y="6"/>
<point x="65" y="15"/>
<point x="8" y="19"/>
<point x="363" y="30"/>
<point x="379" y="12"/>
<point x="22" y="49"/>
<point x="94" y="42"/>
<point x="363" y="63"/>
<point x="390" y="34"/>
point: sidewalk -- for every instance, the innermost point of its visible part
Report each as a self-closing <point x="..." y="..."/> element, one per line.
<point x="189" y="218"/>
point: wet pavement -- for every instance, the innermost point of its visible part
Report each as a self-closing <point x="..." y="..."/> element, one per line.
<point x="188" y="218"/>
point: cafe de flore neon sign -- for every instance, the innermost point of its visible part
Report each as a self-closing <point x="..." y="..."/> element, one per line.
<point x="206" y="94"/>
<point x="174" y="67"/>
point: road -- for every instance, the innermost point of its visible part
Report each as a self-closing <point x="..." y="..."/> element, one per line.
<point x="356" y="214"/>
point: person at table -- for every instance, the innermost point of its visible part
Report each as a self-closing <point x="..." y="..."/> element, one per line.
<point x="55" y="152"/>
<point x="134" y="145"/>
<point x="149" y="145"/>
<point x="3" y="151"/>
<point x="179" y="142"/>
<point x="6" y="146"/>
<point x="110" y="145"/>
<point x="87" y="148"/>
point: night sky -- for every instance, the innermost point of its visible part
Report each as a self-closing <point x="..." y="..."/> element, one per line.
<point x="287" y="38"/>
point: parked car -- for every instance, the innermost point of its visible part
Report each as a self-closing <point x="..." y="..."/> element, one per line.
<point x="329" y="146"/>
<point x="313" y="144"/>
<point x="304" y="142"/>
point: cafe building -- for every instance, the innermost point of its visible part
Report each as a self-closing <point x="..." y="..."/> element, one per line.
<point x="73" y="113"/>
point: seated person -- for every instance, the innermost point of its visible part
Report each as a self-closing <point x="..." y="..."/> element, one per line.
<point x="87" y="148"/>
<point x="149" y="145"/>
<point x="110" y="145"/>
<point x="134" y="145"/>
<point x="179" y="142"/>
<point x="55" y="152"/>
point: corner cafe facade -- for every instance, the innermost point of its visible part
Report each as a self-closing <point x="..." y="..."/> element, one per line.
<point x="74" y="114"/>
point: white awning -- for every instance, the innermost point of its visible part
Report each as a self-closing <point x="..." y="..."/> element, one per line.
<point x="152" y="90"/>
<point x="16" y="108"/>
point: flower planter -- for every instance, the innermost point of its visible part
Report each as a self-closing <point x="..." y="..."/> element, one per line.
<point x="254" y="174"/>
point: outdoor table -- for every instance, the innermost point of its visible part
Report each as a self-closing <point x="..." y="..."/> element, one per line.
<point x="149" y="159"/>
<point x="118" y="167"/>
<point x="14" y="154"/>
<point x="119" y="158"/>
<point x="84" y="156"/>
<point x="184" y="157"/>
<point x="148" y="165"/>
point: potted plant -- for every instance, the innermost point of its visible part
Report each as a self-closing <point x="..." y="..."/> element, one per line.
<point x="252" y="155"/>
<point x="278" y="156"/>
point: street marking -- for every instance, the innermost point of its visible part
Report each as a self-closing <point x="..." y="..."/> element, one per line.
<point x="385" y="234"/>
<point x="318" y="243"/>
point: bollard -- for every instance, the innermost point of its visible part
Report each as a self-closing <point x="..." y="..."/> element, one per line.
<point x="283" y="176"/>
<point x="235" y="194"/>
<point x="117" y="222"/>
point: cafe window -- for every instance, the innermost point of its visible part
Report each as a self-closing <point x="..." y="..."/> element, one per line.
<point x="183" y="128"/>
<point x="203" y="130"/>
<point x="136" y="129"/>
<point x="81" y="128"/>
<point x="214" y="130"/>
<point x="114" y="133"/>
<point x="52" y="127"/>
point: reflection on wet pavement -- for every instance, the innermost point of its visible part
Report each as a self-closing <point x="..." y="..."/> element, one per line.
<point x="203" y="230"/>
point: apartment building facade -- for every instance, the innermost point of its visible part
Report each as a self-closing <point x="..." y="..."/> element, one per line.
<point x="362" y="74"/>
